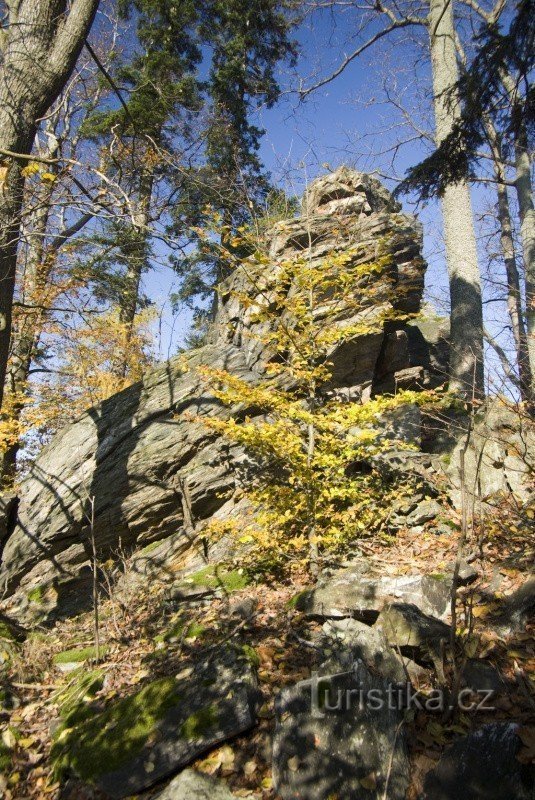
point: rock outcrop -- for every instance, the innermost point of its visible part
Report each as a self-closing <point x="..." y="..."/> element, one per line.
<point x="141" y="467"/>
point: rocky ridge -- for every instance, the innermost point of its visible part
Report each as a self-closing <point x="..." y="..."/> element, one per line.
<point x="143" y="467"/>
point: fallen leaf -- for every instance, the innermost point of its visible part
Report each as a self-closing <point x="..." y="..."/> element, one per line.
<point x="369" y="782"/>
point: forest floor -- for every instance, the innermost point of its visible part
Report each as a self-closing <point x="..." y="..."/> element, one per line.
<point x="135" y="654"/>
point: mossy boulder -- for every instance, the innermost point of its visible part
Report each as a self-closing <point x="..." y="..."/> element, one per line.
<point x="78" y="655"/>
<point x="217" y="577"/>
<point x="143" y="738"/>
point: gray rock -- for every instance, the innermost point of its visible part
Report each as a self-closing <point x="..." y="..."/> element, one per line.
<point x="244" y="608"/>
<point x="480" y="675"/>
<point x="8" y="516"/>
<point x="518" y="608"/>
<point x="500" y="458"/>
<point x="143" y="455"/>
<point x="482" y="766"/>
<point x="329" y="744"/>
<point x="467" y="573"/>
<point x="406" y="627"/>
<point x="348" y="593"/>
<point x="366" y="644"/>
<point x="191" y="785"/>
<point x="346" y="191"/>
<point x="167" y="725"/>
<point x="425" y="511"/>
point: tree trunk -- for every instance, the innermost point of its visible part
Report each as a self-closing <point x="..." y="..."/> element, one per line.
<point x="136" y="260"/>
<point x="40" y="44"/>
<point x="524" y="191"/>
<point x="28" y="325"/>
<point x="514" y="293"/>
<point x="466" y="364"/>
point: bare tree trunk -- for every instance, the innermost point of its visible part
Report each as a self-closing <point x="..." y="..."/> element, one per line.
<point x="524" y="191"/>
<point x="40" y="44"/>
<point x="136" y="259"/>
<point x="28" y="325"/>
<point x="466" y="366"/>
<point x="514" y="293"/>
<point x="39" y="261"/>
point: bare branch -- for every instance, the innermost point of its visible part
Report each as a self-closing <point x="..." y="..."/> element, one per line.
<point x="398" y="24"/>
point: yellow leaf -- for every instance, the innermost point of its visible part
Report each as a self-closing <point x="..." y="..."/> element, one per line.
<point x="30" y="169"/>
<point x="483" y="610"/>
<point x="27" y="742"/>
<point x="9" y="739"/>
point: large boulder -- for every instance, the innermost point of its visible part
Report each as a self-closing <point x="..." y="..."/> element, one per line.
<point x="191" y="785"/>
<point x="482" y="766"/>
<point x="338" y="734"/>
<point x="141" y="467"/>
<point x="500" y="455"/>
<point x="140" y="740"/>
<point x="350" y="592"/>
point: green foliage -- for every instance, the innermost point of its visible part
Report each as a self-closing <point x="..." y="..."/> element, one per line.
<point x="483" y="97"/>
<point x="247" y="39"/>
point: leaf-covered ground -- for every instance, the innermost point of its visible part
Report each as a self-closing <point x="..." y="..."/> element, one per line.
<point x="144" y="637"/>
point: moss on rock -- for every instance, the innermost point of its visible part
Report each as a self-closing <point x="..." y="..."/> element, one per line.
<point x="251" y="655"/>
<point x="214" y="577"/>
<point x="294" y="601"/>
<point x="36" y="595"/>
<point x="79" y="655"/>
<point x="74" y="700"/>
<point x="6" y="632"/>
<point x="198" y="723"/>
<point x="108" y="740"/>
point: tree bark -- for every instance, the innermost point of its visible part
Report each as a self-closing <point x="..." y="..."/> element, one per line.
<point x="40" y="46"/>
<point x="514" y="292"/>
<point x="28" y="325"/>
<point x="466" y="360"/>
<point x="524" y="192"/>
<point x="136" y="259"/>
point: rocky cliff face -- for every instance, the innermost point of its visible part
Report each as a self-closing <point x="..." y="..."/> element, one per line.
<point x="141" y="468"/>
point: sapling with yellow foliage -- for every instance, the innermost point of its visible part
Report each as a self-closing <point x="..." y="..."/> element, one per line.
<point x="315" y="488"/>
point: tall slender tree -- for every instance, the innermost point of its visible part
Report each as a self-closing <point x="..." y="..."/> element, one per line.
<point x="160" y="91"/>
<point x="497" y="109"/>
<point x="39" y="45"/>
